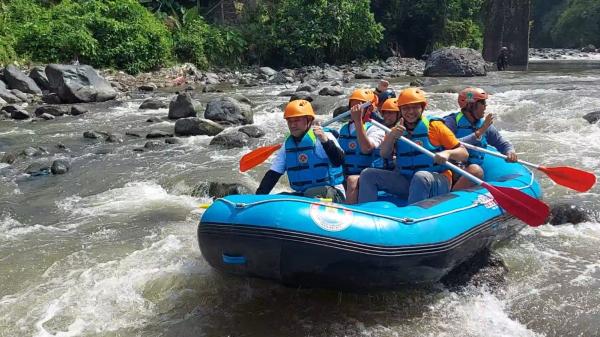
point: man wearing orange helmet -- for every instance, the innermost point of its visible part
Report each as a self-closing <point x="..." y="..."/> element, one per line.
<point x="470" y="126"/>
<point x="359" y="139"/>
<point x="311" y="157"/>
<point x="416" y="176"/>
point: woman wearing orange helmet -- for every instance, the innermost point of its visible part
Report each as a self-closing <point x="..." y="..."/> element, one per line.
<point x="390" y="114"/>
<point x="470" y="126"/>
<point x="416" y="176"/>
<point x="311" y="157"/>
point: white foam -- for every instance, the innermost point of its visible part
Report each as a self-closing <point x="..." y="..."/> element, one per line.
<point x="133" y="198"/>
<point x="12" y="229"/>
<point x="478" y="314"/>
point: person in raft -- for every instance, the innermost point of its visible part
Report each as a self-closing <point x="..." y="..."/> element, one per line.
<point x="359" y="139"/>
<point x="390" y="116"/>
<point x="416" y="176"/>
<point x="311" y="157"/>
<point x="471" y="127"/>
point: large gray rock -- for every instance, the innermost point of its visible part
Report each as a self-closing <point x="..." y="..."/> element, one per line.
<point x="16" y="112"/>
<point x="331" y="91"/>
<point x="231" y="140"/>
<point x="16" y="79"/>
<point x="78" y="84"/>
<point x="54" y="110"/>
<point x="183" y="106"/>
<point x="229" y="111"/>
<point x="592" y="117"/>
<point x="457" y="62"/>
<point x="38" y="75"/>
<point x="305" y="95"/>
<point x="566" y="213"/>
<point x="152" y="104"/>
<point x="252" y="131"/>
<point x="7" y="95"/>
<point x="194" y="126"/>
<point x="60" y="166"/>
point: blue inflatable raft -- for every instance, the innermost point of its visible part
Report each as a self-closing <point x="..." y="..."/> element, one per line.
<point x="300" y="241"/>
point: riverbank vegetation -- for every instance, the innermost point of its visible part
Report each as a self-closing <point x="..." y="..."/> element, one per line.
<point x="144" y="35"/>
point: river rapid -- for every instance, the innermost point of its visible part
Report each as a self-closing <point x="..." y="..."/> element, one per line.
<point x="110" y="248"/>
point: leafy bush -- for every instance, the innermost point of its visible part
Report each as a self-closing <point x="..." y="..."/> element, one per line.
<point x="190" y="41"/>
<point x="130" y="36"/>
<point x="464" y="34"/>
<point x="204" y="45"/>
<point x="296" y="32"/>
<point x="110" y="33"/>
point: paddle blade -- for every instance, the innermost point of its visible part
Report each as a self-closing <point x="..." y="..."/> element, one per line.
<point x="570" y="177"/>
<point x="528" y="209"/>
<point x="257" y="156"/>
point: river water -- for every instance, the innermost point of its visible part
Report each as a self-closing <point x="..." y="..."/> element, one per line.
<point x="110" y="249"/>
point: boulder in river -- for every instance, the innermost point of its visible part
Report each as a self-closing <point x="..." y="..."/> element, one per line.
<point x="16" y="79"/>
<point x="457" y="62"/>
<point x="38" y="75"/>
<point x="592" y="117"/>
<point x="228" y="110"/>
<point x="78" y="84"/>
<point x="60" y="166"/>
<point x="566" y="213"/>
<point x="152" y="104"/>
<point x="16" y="112"/>
<point x="219" y="190"/>
<point x="231" y="140"/>
<point x="183" y="106"/>
<point x="194" y="126"/>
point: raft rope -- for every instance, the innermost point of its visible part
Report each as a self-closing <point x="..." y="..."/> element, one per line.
<point x="403" y="220"/>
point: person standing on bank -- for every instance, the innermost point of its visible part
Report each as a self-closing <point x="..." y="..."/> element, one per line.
<point x="311" y="157"/>
<point x="416" y="176"/>
<point x="470" y="126"/>
<point x="502" y="60"/>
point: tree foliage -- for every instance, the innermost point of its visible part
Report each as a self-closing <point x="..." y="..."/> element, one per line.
<point x="296" y="32"/>
<point x="418" y="27"/>
<point x="578" y="25"/>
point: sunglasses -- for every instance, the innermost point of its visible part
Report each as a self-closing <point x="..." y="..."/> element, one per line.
<point x="482" y="102"/>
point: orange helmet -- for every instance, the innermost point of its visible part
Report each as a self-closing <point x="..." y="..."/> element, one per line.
<point x="390" y="104"/>
<point x="471" y="95"/>
<point x="363" y="95"/>
<point x="412" y="96"/>
<point x="297" y="108"/>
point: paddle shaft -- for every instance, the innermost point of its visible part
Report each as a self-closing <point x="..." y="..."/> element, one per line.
<point x="497" y="154"/>
<point x="431" y="154"/>
<point x="343" y="115"/>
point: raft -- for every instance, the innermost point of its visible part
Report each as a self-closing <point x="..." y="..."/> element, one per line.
<point x="306" y="242"/>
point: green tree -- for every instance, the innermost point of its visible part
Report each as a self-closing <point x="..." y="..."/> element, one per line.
<point x="295" y="32"/>
<point x="578" y="25"/>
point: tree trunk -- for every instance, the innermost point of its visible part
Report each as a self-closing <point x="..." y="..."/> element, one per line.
<point x="507" y="25"/>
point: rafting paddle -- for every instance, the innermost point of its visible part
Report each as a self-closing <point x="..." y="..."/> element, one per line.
<point x="258" y="156"/>
<point x="530" y="210"/>
<point x="573" y="178"/>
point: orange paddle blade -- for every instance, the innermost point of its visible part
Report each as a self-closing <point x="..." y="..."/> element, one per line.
<point x="257" y="156"/>
<point x="528" y="209"/>
<point x="570" y="177"/>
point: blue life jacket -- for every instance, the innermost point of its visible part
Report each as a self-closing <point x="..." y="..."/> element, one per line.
<point x="382" y="163"/>
<point x="354" y="160"/>
<point x="465" y="128"/>
<point x="409" y="160"/>
<point x="305" y="169"/>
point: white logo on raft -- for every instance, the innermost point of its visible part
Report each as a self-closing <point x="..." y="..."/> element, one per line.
<point x="331" y="219"/>
<point x="487" y="201"/>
